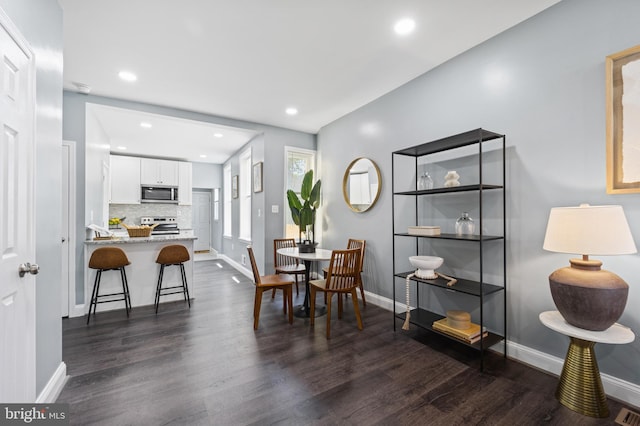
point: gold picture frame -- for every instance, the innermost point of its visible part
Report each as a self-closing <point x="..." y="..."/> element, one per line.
<point x="623" y="136"/>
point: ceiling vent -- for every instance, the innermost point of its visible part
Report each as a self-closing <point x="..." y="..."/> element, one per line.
<point x="85" y="89"/>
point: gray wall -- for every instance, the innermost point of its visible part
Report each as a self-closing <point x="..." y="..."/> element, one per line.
<point x="542" y="84"/>
<point x="274" y="194"/>
<point x="206" y="175"/>
<point x="266" y="227"/>
<point x="40" y="22"/>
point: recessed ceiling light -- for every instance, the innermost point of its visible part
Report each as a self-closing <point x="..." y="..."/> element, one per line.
<point x="218" y="135"/>
<point x="291" y="111"/>
<point x="203" y="156"/>
<point x="127" y="76"/>
<point x="122" y="148"/>
<point x="145" y="125"/>
<point x="404" y="26"/>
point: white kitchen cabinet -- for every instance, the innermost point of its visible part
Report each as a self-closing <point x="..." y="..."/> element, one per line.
<point x="185" y="183"/>
<point x="125" y="180"/>
<point x="158" y="172"/>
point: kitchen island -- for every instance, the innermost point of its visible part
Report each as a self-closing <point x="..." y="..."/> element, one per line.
<point x="142" y="273"/>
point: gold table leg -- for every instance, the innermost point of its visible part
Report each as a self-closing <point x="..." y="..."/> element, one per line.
<point x="580" y="388"/>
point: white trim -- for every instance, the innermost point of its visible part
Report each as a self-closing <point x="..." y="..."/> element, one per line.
<point x="245" y="191"/>
<point x="72" y="227"/>
<point x="77" y="310"/>
<point x="286" y="216"/>
<point x="244" y="271"/>
<point x="227" y="202"/>
<point x="384" y="302"/>
<point x="54" y="386"/>
<point x="614" y="387"/>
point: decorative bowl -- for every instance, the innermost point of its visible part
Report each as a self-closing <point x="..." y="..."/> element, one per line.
<point x="426" y="265"/>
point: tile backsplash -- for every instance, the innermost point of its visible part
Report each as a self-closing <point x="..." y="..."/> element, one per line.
<point x="133" y="212"/>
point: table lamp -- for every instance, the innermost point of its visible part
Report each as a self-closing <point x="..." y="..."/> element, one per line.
<point x="588" y="297"/>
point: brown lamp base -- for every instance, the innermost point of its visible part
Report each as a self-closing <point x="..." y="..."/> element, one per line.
<point x="580" y="388"/>
<point x="588" y="297"/>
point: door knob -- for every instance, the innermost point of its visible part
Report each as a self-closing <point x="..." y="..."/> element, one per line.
<point x="25" y="268"/>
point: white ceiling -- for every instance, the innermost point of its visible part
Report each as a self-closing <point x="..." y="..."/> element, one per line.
<point x="251" y="59"/>
<point x="168" y="137"/>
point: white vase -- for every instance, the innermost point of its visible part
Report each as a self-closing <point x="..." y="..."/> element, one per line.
<point x="451" y="179"/>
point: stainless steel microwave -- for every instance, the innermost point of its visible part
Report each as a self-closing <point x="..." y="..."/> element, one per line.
<point x="159" y="194"/>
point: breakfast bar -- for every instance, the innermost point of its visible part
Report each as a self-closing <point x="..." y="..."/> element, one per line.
<point x="142" y="273"/>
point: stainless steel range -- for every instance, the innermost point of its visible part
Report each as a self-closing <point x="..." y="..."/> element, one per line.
<point x="165" y="225"/>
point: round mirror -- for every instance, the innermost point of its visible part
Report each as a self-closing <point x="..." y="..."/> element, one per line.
<point x="361" y="184"/>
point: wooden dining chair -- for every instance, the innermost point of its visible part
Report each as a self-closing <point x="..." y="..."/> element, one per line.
<point x="342" y="278"/>
<point x="263" y="283"/>
<point x="351" y="244"/>
<point x="286" y="264"/>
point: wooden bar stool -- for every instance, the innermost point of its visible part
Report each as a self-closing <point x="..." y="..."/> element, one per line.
<point x="172" y="255"/>
<point x="109" y="259"/>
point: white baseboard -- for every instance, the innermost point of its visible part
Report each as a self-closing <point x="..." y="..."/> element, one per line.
<point x="384" y="302"/>
<point x="240" y="268"/>
<point x="54" y="386"/>
<point x="614" y="387"/>
<point x="77" y="311"/>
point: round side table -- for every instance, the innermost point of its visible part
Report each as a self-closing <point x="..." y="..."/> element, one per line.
<point x="580" y="387"/>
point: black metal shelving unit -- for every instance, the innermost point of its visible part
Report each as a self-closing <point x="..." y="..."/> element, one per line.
<point x="480" y="288"/>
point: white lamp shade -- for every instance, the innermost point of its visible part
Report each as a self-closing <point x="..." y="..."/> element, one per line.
<point x="589" y="230"/>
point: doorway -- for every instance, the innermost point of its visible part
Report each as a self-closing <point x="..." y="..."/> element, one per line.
<point x="202" y="221"/>
<point x="68" y="237"/>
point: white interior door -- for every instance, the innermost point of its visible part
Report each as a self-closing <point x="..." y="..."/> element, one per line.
<point x="202" y="220"/>
<point x="17" y="218"/>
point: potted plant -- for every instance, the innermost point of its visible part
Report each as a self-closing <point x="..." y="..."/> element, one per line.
<point x="303" y="211"/>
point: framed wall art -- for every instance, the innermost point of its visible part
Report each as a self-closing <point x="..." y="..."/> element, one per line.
<point x="234" y="186"/>
<point x="623" y="121"/>
<point x="257" y="177"/>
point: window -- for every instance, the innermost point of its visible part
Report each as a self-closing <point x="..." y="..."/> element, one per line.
<point x="297" y="162"/>
<point x="245" y="195"/>
<point x="216" y="204"/>
<point x="226" y="213"/>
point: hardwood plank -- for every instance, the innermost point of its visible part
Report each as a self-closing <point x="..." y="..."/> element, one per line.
<point x="206" y="365"/>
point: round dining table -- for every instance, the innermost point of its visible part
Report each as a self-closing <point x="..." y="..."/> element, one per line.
<point x="303" y="311"/>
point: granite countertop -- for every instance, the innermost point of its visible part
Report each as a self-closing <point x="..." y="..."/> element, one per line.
<point x="183" y="236"/>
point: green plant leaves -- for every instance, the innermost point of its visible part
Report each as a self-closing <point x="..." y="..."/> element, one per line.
<point x="303" y="212"/>
<point x="295" y="205"/>
<point x="305" y="191"/>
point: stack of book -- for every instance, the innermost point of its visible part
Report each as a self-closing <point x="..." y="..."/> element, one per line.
<point x="424" y="230"/>
<point x="470" y="335"/>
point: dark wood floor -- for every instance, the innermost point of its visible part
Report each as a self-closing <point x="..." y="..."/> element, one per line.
<point x="207" y="366"/>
